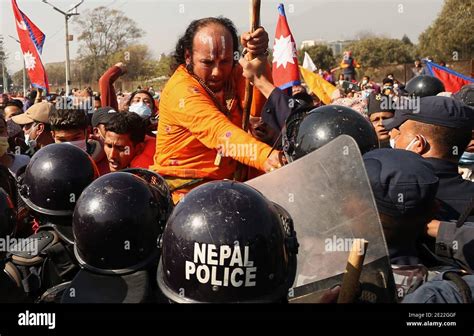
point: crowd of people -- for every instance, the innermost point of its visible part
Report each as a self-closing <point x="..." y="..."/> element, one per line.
<point x="140" y="197"/>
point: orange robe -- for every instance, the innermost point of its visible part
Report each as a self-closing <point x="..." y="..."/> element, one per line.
<point x="192" y="131"/>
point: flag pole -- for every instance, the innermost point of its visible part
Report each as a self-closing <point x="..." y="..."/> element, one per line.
<point x="254" y="24"/>
<point x="240" y="172"/>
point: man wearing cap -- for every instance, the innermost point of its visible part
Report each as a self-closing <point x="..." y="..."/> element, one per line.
<point x="439" y="130"/>
<point x="379" y="109"/>
<point x="36" y="126"/>
<point x="404" y="187"/>
<point x="100" y="118"/>
<point x="70" y="126"/>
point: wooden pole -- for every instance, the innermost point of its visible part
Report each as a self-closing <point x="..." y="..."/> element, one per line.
<point x="350" y="281"/>
<point x="254" y="24"/>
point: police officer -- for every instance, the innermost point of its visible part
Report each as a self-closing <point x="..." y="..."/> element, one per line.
<point x="117" y="222"/>
<point x="404" y="186"/>
<point x="50" y="187"/>
<point x="424" y="86"/>
<point x="308" y="131"/>
<point x="226" y="243"/>
<point x="439" y="129"/>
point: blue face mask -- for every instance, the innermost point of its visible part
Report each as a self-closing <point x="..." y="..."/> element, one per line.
<point x="467" y="158"/>
<point x="141" y="109"/>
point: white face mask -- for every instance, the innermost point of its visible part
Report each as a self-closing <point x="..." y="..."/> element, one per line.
<point x="141" y="109"/>
<point x="413" y="142"/>
<point x="392" y="143"/>
<point x="32" y="143"/>
<point x="81" y="144"/>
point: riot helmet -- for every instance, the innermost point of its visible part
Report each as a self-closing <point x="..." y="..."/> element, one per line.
<point x="466" y="95"/>
<point x="117" y="222"/>
<point x="423" y="86"/>
<point x="53" y="181"/>
<point x="307" y="131"/>
<point x="226" y="243"/>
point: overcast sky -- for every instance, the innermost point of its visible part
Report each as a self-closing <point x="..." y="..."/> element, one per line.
<point x="165" y="20"/>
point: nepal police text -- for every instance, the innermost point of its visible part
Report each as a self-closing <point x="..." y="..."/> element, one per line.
<point x="209" y="262"/>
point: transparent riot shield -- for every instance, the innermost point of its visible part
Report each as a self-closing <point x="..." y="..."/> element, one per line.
<point x="328" y="195"/>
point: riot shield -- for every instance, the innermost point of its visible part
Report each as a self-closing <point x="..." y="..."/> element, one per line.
<point x="328" y="195"/>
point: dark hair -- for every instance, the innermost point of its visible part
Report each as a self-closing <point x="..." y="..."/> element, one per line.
<point x="97" y="98"/>
<point x="15" y="102"/>
<point x="387" y="80"/>
<point x="145" y="92"/>
<point x="447" y="139"/>
<point x="186" y="41"/>
<point x="67" y="119"/>
<point x="127" y="123"/>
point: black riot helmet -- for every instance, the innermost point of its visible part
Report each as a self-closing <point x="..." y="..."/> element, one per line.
<point x="117" y="222"/>
<point x="55" y="178"/>
<point x="466" y="94"/>
<point x="226" y="243"/>
<point x="423" y="86"/>
<point x="308" y="131"/>
<point x="7" y="215"/>
<point x="53" y="181"/>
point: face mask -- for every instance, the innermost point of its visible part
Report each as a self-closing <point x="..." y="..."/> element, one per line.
<point x="32" y="143"/>
<point x="3" y="145"/>
<point x="81" y="144"/>
<point x="364" y="82"/>
<point x="392" y="143"/>
<point x="413" y="141"/>
<point x="467" y="158"/>
<point x="141" y="109"/>
<point x="13" y="129"/>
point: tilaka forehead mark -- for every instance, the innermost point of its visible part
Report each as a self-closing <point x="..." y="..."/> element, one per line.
<point x="207" y="39"/>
